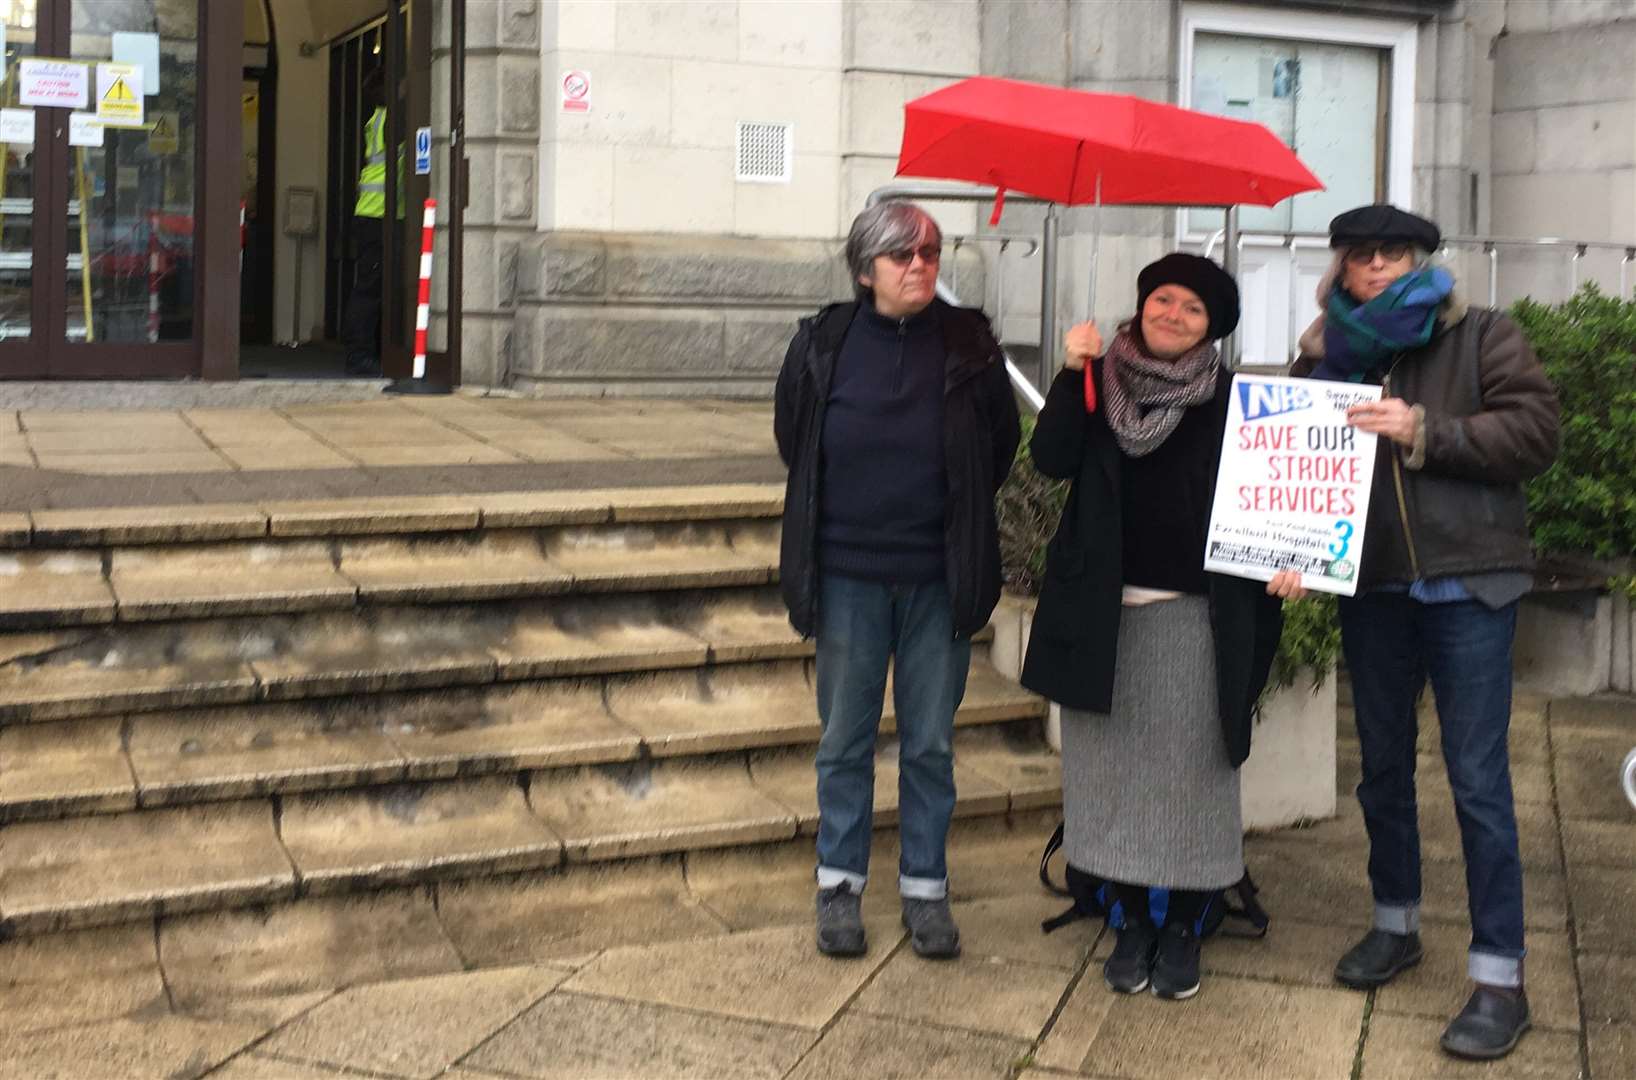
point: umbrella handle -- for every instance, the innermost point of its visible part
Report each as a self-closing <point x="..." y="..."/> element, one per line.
<point x="1090" y="385"/>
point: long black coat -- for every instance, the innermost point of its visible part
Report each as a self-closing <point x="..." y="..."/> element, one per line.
<point x="980" y="437"/>
<point x="1073" y="647"/>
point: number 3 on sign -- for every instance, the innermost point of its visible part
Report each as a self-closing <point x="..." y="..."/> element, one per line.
<point x="1343" y="539"/>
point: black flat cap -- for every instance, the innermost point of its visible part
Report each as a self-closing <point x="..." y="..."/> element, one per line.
<point x="1383" y="223"/>
<point x="1210" y="282"/>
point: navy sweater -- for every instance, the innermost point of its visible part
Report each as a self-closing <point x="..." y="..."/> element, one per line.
<point x="882" y="485"/>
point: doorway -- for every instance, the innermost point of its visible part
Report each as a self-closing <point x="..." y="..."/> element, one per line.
<point x="383" y="60"/>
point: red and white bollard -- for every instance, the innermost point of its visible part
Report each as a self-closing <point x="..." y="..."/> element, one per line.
<point x="423" y="309"/>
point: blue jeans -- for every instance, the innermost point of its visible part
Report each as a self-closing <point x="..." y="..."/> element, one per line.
<point x="1393" y="644"/>
<point x="862" y="625"/>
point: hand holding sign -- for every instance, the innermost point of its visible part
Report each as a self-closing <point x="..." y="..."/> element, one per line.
<point x="1390" y="417"/>
<point x="1292" y="493"/>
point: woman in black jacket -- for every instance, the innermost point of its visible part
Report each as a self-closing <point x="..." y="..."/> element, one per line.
<point x="897" y="422"/>
<point x="1156" y="663"/>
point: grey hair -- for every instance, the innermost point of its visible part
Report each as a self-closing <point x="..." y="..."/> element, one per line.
<point x="887" y="226"/>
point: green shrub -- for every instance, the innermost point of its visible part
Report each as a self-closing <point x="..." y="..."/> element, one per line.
<point x="1311" y="642"/>
<point x="1029" y="507"/>
<point x="1585" y="503"/>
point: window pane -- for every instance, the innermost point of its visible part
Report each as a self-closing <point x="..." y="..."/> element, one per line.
<point x="138" y="186"/>
<point x="1323" y="100"/>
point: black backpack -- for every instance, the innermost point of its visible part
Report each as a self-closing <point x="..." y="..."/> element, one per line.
<point x="1094" y="898"/>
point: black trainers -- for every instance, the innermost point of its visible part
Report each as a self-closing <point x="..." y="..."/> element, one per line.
<point x="840" y="922"/>
<point x="931" y="928"/>
<point x="1176" y="963"/>
<point x="1374" y="960"/>
<point x="1131" y="965"/>
<point x="1489" y="1026"/>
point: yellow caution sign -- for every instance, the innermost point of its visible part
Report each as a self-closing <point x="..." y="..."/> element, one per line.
<point x="119" y="95"/>
<point x="162" y="136"/>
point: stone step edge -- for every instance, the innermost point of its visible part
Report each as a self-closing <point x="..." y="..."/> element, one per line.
<point x="469" y="766"/>
<point x="383" y="515"/>
<point x="558" y="855"/>
<point x="241" y="604"/>
<point x="340" y="683"/>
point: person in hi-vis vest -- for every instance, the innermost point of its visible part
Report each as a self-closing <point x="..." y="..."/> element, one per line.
<point x="363" y="314"/>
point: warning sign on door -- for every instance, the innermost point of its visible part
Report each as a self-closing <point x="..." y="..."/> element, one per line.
<point x="119" y="95"/>
<point x="162" y="137"/>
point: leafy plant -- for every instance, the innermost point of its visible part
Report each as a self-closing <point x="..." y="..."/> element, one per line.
<point x="1585" y="504"/>
<point x="1311" y="642"/>
<point x="1029" y="507"/>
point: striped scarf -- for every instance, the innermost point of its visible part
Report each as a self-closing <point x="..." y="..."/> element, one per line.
<point x="1147" y="397"/>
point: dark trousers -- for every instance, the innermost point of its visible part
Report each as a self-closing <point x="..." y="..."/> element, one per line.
<point x="361" y="329"/>
<point x="862" y="627"/>
<point x="1393" y="644"/>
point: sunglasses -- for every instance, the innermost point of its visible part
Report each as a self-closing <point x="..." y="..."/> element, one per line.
<point x="1364" y="254"/>
<point x="929" y="253"/>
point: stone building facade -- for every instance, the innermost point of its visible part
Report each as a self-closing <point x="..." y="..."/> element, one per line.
<point x="618" y="248"/>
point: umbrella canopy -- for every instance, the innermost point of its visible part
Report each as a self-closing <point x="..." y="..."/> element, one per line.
<point x="1066" y="146"/>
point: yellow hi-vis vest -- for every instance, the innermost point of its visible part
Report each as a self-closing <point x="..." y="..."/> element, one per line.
<point x="372" y="177"/>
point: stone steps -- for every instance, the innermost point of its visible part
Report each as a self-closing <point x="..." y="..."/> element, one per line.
<point x="210" y="708"/>
<point x="104" y="870"/>
<point x="110" y="765"/>
<point x="52" y="587"/>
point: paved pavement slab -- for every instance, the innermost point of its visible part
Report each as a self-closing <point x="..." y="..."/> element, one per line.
<point x="1405" y="1048"/>
<point x="571" y="1036"/>
<point x="256" y="1066"/>
<point x="1235" y="1028"/>
<point x="554" y="915"/>
<point x="1604" y="903"/>
<point x="1612" y="1049"/>
<point x="775" y="976"/>
<point x="1599" y="843"/>
<point x="981" y="994"/>
<point x="1609" y="987"/>
<point x="889" y="1049"/>
<point x="316" y="944"/>
<point x="412" y="1027"/>
<point x="80" y="977"/>
<point x="175" y="1047"/>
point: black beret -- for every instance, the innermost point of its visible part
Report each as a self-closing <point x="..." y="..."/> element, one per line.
<point x="1212" y="284"/>
<point x="1383" y="223"/>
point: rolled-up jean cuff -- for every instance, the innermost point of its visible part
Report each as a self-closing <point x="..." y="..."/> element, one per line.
<point x="1492" y="970"/>
<point x="921" y="888"/>
<point x="1398" y="918"/>
<point x="829" y="877"/>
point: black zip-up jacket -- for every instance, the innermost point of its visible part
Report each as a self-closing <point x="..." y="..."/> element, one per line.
<point x="980" y="437"/>
<point x="1074" y="644"/>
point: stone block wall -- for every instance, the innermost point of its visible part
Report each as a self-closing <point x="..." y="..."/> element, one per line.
<point x="615" y="314"/>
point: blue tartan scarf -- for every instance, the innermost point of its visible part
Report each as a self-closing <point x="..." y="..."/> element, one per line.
<point x="1361" y="337"/>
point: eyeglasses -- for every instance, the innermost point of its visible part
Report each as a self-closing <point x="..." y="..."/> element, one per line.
<point x="1364" y="254"/>
<point x="929" y="253"/>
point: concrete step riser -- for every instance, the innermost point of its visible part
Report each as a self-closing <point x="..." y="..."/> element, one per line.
<point x="105" y="871"/>
<point x="149" y="761"/>
<point x="44" y="589"/>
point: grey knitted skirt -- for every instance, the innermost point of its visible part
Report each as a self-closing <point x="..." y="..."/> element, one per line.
<point x="1148" y="796"/>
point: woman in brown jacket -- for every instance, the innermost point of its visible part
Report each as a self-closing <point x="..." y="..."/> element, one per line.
<point x="1466" y="416"/>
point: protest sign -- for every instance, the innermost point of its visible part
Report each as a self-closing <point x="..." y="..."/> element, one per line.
<point x="1293" y="489"/>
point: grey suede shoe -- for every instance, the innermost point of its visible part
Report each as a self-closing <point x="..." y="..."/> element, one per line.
<point x="931" y="927"/>
<point x="840" y="922"/>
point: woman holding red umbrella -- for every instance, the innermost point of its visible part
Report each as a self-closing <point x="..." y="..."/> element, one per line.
<point x="1156" y="663"/>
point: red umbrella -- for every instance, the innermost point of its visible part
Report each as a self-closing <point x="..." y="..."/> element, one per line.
<point x="1075" y="147"/>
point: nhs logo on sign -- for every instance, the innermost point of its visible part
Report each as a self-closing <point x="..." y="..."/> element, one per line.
<point x="1259" y="400"/>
